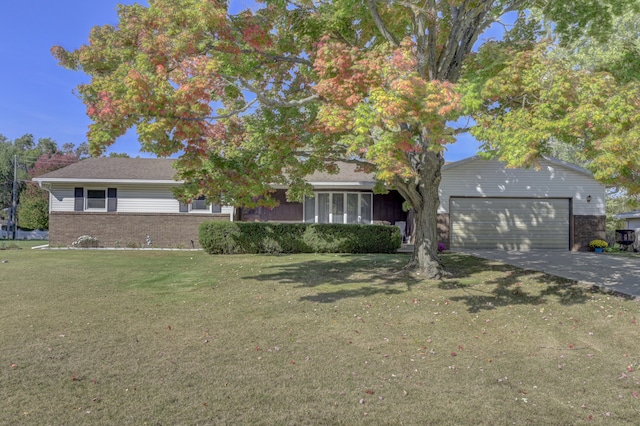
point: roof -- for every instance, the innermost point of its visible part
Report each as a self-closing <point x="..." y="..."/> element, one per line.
<point x="112" y="169"/>
<point x="160" y="170"/>
<point x="634" y="214"/>
<point x="552" y="160"/>
<point x="347" y="173"/>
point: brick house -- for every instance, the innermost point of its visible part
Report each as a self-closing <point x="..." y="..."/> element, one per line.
<point x="129" y="202"/>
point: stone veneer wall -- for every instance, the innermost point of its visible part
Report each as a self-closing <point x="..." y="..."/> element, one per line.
<point x="166" y="230"/>
<point x="587" y="228"/>
<point x="444" y="227"/>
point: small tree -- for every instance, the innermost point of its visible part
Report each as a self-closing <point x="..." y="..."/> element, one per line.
<point x="33" y="209"/>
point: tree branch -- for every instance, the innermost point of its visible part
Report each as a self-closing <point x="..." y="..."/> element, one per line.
<point x="377" y="19"/>
<point x="276" y="102"/>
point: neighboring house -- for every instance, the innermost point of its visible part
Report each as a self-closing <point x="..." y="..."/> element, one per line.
<point x="123" y="202"/>
<point x="632" y="220"/>
<point x="483" y="205"/>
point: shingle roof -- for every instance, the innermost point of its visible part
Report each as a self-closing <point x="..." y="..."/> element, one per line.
<point x="116" y="169"/>
<point x="160" y="169"/>
<point x="347" y="174"/>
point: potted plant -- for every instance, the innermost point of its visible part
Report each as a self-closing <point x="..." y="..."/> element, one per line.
<point x="598" y="245"/>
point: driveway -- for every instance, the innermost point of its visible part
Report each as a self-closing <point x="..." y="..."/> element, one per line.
<point x="617" y="273"/>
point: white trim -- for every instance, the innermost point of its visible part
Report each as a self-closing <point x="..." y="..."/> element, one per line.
<point x="344" y="206"/>
<point x="635" y="214"/>
<point x="86" y="199"/>
<point x="107" y="181"/>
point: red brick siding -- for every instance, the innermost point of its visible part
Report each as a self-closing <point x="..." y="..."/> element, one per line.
<point x="128" y="229"/>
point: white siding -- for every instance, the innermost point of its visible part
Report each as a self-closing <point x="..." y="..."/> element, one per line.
<point x="131" y="198"/>
<point x="142" y="199"/>
<point x="61" y="198"/>
<point x="489" y="178"/>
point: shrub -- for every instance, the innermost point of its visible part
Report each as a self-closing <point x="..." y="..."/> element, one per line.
<point x="598" y="244"/>
<point x="85" y="241"/>
<point x="257" y="237"/>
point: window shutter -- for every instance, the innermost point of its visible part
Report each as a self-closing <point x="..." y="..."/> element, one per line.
<point x="216" y="208"/>
<point x="78" y="205"/>
<point x="183" y="207"/>
<point x="112" y="199"/>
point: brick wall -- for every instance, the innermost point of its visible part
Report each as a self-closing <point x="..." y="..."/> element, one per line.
<point x="443" y="230"/>
<point x="129" y="229"/>
<point x="585" y="229"/>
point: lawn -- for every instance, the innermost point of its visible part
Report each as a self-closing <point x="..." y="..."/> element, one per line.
<point x="157" y="337"/>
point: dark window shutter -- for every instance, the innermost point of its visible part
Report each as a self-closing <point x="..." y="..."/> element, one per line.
<point x="112" y="199"/>
<point x="78" y="205"/>
<point x="184" y="208"/>
<point x="215" y="208"/>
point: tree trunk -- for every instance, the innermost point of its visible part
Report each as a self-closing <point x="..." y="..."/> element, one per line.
<point x="425" y="200"/>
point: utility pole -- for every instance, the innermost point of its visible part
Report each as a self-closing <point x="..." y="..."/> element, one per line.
<point x="14" y="199"/>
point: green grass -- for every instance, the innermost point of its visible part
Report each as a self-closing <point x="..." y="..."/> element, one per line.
<point x="145" y="337"/>
<point x="20" y="244"/>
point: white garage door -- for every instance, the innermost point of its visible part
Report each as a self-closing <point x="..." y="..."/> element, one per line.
<point x="509" y="223"/>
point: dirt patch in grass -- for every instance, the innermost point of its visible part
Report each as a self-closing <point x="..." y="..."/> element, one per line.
<point x="186" y="338"/>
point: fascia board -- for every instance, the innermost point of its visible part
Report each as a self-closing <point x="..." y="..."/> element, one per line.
<point x="109" y="181"/>
<point x="334" y="185"/>
<point x="627" y="215"/>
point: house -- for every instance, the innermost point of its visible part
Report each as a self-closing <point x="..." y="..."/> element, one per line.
<point x="124" y="202"/>
<point x="632" y="220"/>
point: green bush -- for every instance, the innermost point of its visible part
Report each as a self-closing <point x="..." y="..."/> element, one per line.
<point x="257" y="237"/>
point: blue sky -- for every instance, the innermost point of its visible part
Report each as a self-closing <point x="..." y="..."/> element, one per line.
<point x="36" y="94"/>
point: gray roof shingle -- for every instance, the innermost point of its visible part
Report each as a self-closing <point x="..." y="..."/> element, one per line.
<point x="347" y="174"/>
<point x="116" y="169"/>
<point x="150" y="169"/>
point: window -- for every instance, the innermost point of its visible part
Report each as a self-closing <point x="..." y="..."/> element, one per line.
<point x="339" y="207"/>
<point x="200" y="205"/>
<point x="95" y="199"/>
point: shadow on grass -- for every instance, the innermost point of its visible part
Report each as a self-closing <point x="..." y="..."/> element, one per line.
<point x="511" y="285"/>
<point x="355" y="275"/>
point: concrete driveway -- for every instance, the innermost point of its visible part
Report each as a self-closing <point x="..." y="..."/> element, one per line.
<point x="617" y="273"/>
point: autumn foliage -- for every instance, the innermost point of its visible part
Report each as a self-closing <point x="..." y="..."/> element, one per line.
<point x="254" y="98"/>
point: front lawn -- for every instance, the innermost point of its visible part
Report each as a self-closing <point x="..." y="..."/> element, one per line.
<point x="156" y="337"/>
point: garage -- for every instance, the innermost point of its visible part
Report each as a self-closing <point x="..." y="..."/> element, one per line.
<point x="509" y="223"/>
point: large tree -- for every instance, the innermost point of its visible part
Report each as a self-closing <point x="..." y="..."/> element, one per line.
<point x="266" y="96"/>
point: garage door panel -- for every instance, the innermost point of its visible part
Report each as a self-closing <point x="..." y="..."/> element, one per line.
<point x="507" y="223"/>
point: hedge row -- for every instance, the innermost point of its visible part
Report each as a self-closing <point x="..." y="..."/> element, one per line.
<point x="257" y="237"/>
